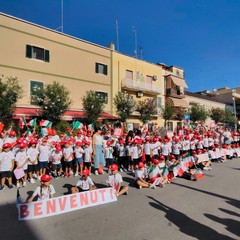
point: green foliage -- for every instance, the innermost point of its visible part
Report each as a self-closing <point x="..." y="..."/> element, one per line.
<point x="10" y="92"/>
<point x="229" y="119"/>
<point x="54" y="101"/>
<point x="61" y="126"/>
<point x="217" y="114"/>
<point x="197" y="113"/>
<point x="147" y="109"/>
<point x="124" y="104"/>
<point x="167" y="113"/>
<point x="180" y="113"/>
<point x="93" y="105"/>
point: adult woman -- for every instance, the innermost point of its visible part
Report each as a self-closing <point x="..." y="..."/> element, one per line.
<point x="97" y="146"/>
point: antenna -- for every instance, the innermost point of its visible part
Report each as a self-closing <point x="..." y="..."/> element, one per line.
<point x="61" y="27"/>
<point x="135" y="36"/>
<point x="117" y="34"/>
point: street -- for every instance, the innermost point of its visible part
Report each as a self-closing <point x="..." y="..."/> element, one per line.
<point x="206" y="209"/>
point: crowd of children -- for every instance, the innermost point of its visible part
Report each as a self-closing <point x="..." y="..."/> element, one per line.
<point x="154" y="160"/>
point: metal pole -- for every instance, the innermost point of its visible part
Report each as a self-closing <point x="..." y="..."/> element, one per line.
<point x="135" y="36"/>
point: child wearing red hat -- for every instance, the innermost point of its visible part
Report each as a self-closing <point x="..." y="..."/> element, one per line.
<point x="44" y="191"/>
<point x="6" y="166"/>
<point x="85" y="183"/>
<point x="115" y="180"/>
<point x="140" y="176"/>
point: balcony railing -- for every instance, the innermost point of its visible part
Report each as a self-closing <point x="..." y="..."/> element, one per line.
<point x="137" y="85"/>
<point x="170" y="92"/>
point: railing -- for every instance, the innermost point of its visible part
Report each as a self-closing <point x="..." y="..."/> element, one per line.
<point x="134" y="85"/>
<point x="170" y="92"/>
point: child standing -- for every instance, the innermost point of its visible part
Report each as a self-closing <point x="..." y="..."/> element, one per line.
<point x="44" y="155"/>
<point x="56" y="162"/>
<point x="21" y="160"/>
<point x="6" y="166"/>
<point x="68" y="158"/>
<point x="78" y="157"/>
<point x="87" y="156"/>
<point x="109" y="154"/>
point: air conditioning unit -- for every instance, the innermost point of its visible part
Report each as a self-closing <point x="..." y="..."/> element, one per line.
<point x="154" y="77"/>
<point x="139" y="94"/>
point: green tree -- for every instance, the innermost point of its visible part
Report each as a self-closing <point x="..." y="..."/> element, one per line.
<point x="180" y="113"/>
<point x="147" y="109"/>
<point x="10" y="92"/>
<point x="217" y="114"/>
<point x="229" y="119"/>
<point x="197" y="113"/>
<point x="54" y="101"/>
<point x="124" y="104"/>
<point x="167" y="113"/>
<point x="93" y="105"/>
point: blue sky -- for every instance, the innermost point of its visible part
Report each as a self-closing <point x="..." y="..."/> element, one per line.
<point x="201" y="36"/>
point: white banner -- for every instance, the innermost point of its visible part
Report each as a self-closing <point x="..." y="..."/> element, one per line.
<point x="203" y="157"/>
<point x="63" y="204"/>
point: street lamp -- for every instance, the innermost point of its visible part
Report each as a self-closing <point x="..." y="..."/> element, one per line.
<point x="234" y="106"/>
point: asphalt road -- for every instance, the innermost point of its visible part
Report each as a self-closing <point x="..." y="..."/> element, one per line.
<point x="206" y="209"/>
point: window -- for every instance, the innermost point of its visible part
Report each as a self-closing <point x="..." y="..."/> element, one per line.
<point x="37" y="53"/>
<point x="101" y="68"/>
<point x="34" y="86"/>
<point x="129" y="74"/>
<point x="103" y="95"/>
<point x="170" y="126"/>
<point x="158" y="102"/>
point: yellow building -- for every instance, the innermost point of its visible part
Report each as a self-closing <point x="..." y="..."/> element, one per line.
<point x="140" y="79"/>
<point x="37" y="56"/>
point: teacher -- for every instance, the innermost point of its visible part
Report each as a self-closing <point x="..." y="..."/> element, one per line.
<point x="97" y="146"/>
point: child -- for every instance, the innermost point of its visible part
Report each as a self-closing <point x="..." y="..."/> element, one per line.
<point x="44" y="191"/>
<point x="85" y="183"/>
<point x="146" y="149"/>
<point x="109" y="155"/>
<point x="56" y="162"/>
<point x="115" y="180"/>
<point x="140" y="176"/>
<point x="68" y="158"/>
<point x="21" y="160"/>
<point x="134" y="154"/>
<point x="6" y="166"/>
<point x="122" y="155"/>
<point x="32" y="152"/>
<point x="78" y="157"/>
<point x="87" y="156"/>
<point x="44" y="155"/>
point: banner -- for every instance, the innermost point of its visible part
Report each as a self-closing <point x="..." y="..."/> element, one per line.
<point x="64" y="204"/>
<point x="203" y="157"/>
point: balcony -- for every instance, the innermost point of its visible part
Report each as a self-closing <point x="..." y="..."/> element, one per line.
<point x="170" y="92"/>
<point x="136" y="86"/>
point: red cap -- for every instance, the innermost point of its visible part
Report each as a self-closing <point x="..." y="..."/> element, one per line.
<point x="33" y="141"/>
<point x="13" y="133"/>
<point x="194" y="152"/>
<point x="114" y="167"/>
<point x="199" y="151"/>
<point x="53" y="143"/>
<point x="79" y="143"/>
<point x="140" y="165"/>
<point x="161" y="157"/>
<point x="58" y="148"/>
<point x="6" y="145"/>
<point x="85" y="172"/>
<point x="135" y="141"/>
<point x="22" y="145"/>
<point x="155" y="161"/>
<point x="19" y="140"/>
<point x="109" y="143"/>
<point x="172" y="156"/>
<point x="46" y="178"/>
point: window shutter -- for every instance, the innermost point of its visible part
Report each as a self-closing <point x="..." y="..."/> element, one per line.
<point x="28" y="51"/>
<point x="96" y="68"/>
<point x="46" y="56"/>
<point x="105" y="70"/>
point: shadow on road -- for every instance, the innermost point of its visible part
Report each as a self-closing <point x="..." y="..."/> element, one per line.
<point x="187" y="225"/>
<point x="230" y="212"/>
<point x="11" y="228"/>
<point x="231" y="224"/>
<point x="130" y="181"/>
<point x="231" y="201"/>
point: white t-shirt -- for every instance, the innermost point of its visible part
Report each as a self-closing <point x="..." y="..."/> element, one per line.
<point x="10" y="140"/>
<point x="68" y="154"/>
<point x="140" y="174"/>
<point x="87" y="155"/>
<point x="85" y="184"/>
<point x="114" y="180"/>
<point x="78" y="152"/>
<point x="122" y="150"/>
<point x="6" y="161"/>
<point x="146" y="148"/>
<point x="21" y="158"/>
<point x="109" y="152"/>
<point x="134" y="152"/>
<point x="165" y="149"/>
<point x="44" y="193"/>
<point x="44" y="153"/>
<point x="56" y="157"/>
<point x="32" y="154"/>
<point x="176" y="148"/>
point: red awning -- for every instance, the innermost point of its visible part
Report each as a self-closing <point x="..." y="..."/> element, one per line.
<point x="29" y="113"/>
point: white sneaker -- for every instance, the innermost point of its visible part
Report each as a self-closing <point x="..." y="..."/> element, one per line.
<point x="121" y="170"/>
<point x="140" y="187"/>
<point x="31" y="180"/>
<point x="76" y="174"/>
<point x="18" y="185"/>
<point x="153" y="187"/>
<point x="35" y="175"/>
<point x="96" y="172"/>
<point x="39" y="177"/>
<point x="24" y="184"/>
